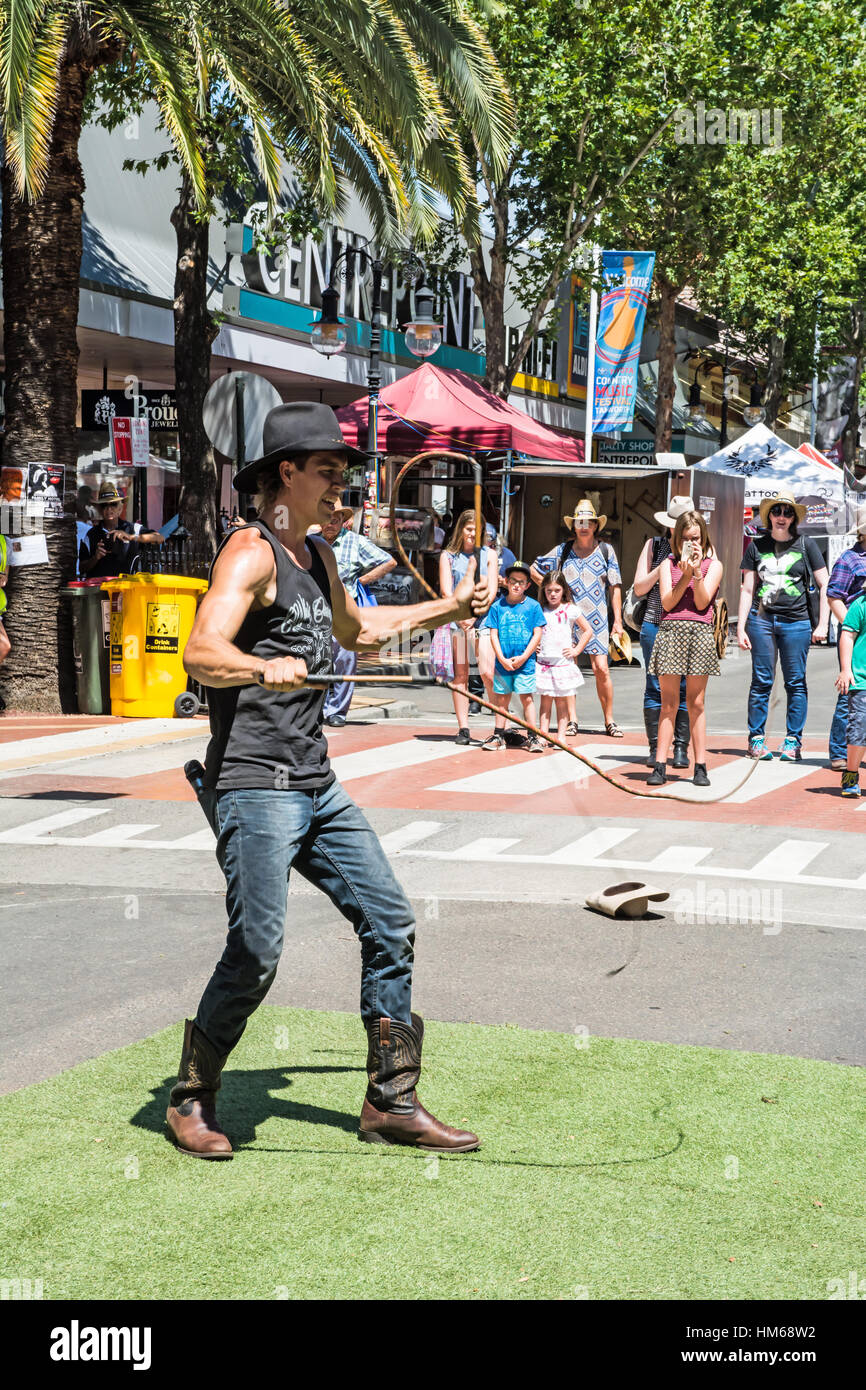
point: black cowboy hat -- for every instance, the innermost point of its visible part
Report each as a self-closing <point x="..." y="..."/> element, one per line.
<point x="295" y="428"/>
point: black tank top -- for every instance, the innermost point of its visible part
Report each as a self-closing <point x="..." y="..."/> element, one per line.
<point x="273" y="740"/>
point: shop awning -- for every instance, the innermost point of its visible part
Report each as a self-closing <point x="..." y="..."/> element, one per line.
<point x="588" y="471"/>
<point x="442" y="408"/>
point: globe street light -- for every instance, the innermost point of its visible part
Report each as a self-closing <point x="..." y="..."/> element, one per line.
<point x="423" y="334"/>
<point x="754" y="413"/>
<point x="328" y="334"/>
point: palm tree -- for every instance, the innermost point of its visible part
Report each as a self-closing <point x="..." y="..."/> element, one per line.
<point x="369" y="90"/>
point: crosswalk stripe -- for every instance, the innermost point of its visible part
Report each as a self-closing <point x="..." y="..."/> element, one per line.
<point x="679" y="858"/>
<point x="120" y="833"/>
<point x="409" y="752"/>
<point x="767" y="778"/>
<point x="486" y="847"/>
<point x="789" y="859"/>
<point x="537" y="774"/>
<point x="393" y="841"/>
<point x="24" y="834"/>
<point x="590" y="846"/>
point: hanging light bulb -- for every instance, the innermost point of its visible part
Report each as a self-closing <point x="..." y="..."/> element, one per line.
<point x="423" y="334"/>
<point x="328" y="334"/>
<point x="754" y="413"/>
<point x="695" y="409"/>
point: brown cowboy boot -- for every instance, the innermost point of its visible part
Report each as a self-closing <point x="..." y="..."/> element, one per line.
<point x="392" y="1112"/>
<point x="191" y="1114"/>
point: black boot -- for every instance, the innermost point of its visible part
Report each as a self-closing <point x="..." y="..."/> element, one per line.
<point x="659" y="776"/>
<point x="682" y="734"/>
<point x="651" y="724"/>
<point x="392" y="1112"/>
<point x="700" y="778"/>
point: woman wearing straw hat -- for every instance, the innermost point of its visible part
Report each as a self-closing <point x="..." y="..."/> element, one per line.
<point x="783" y="610"/>
<point x="590" y="566"/>
<point x="646" y="584"/>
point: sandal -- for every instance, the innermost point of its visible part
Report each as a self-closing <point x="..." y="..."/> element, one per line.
<point x="613" y="730"/>
<point x="571" y="729"/>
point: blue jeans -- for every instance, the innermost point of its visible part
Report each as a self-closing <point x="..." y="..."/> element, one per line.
<point x="328" y="840"/>
<point x="839" y="727"/>
<point x="339" y="696"/>
<point x="652" y="698"/>
<point x="770" y="637"/>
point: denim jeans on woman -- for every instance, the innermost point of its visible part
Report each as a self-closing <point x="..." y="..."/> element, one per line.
<point x="652" y="697"/>
<point x="790" y="641"/>
<point x="263" y="834"/>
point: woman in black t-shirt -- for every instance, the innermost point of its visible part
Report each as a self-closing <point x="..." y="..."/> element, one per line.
<point x="783" y="610"/>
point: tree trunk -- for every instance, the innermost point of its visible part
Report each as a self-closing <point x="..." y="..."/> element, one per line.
<point x="194" y="332"/>
<point x="851" y="432"/>
<point x="667" y="364"/>
<point x="773" y="390"/>
<point x="41" y="266"/>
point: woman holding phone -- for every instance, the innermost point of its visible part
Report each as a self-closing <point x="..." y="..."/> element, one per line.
<point x="685" y="645"/>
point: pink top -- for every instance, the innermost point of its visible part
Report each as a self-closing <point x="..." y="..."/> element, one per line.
<point x="687" y="608"/>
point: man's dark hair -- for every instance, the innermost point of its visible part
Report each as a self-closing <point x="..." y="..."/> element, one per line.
<point x="269" y="483"/>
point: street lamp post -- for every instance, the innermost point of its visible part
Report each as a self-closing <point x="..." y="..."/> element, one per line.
<point x="328" y="335"/>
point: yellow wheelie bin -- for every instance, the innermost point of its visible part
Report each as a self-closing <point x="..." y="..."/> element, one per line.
<point x="151" y="620"/>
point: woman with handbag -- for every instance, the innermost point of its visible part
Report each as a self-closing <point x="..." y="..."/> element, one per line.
<point x="646" y="586"/>
<point x="686" y="642"/>
<point x="783" y="610"/>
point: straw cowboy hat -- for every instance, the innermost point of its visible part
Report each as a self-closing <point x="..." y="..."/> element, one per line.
<point x="586" y="511"/>
<point x="626" y="899"/>
<point x="783" y="496"/>
<point x="343" y="513"/>
<point x="619" y="647"/>
<point x="108" y="493"/>
<point x="677" y="507"/>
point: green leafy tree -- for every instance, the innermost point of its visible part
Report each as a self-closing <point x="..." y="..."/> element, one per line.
<point x="380" y="84"/>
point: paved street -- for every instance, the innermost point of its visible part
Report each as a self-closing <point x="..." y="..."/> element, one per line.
<point x="111" y="911"/>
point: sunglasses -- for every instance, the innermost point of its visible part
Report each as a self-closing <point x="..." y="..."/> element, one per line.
<point x="782" y="511"/>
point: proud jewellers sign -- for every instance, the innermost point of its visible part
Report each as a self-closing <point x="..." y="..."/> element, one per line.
<point x="158" y="407"/>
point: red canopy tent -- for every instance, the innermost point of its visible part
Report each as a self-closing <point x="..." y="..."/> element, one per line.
<point x="437" y="407"/>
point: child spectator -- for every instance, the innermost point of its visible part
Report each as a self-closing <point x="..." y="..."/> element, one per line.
<point x="557" y="675"/>
<point x="852" y="681"/>
<point x="516" y="624"/>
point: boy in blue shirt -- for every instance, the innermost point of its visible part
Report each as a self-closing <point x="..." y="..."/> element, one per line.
<point x="852" y="682"/>
<point x="516" y="624"/>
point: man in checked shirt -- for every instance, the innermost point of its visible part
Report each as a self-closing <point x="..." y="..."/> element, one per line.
<point x="846" y="584"/>
<point x="359" y="561"/>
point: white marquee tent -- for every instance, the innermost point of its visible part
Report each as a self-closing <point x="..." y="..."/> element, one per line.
<point x="767" y="463"/>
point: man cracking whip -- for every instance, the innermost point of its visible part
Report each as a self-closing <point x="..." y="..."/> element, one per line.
<point x="264" y="627"/>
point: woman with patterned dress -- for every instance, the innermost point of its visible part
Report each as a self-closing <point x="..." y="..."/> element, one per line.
<point x="591" y="568"/>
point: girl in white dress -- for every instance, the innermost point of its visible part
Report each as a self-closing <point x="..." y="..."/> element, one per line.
<point x="556" y="673"/>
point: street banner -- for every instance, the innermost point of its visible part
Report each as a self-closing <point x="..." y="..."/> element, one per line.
<point x="130" y="441"/>
<point x="627" y="276"/>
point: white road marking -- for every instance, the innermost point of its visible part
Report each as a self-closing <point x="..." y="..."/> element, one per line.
<point x="120" y="834"/>
<point x="409" y="752"/>
<point x="487" y="847"/>
<point x="95" y="739"/>
<point x="767" y="777"/>
<point x="789" y="859"/>
<point x="535" y="775"/>
<point x="394" y="842"/>
<point x="35" y="831"/>
<point x="590" y="846"/>
<point x="679" y="858"/>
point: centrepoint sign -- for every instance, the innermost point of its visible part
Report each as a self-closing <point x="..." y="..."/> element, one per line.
<point x="282" y="287"/>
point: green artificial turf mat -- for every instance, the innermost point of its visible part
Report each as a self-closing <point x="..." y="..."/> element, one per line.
<point x="609" y="1170"/>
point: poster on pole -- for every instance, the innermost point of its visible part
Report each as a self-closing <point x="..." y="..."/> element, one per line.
<point x="45" y="489"/>
<point x="627" y="276"/>
<point x="130" y="441"/>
